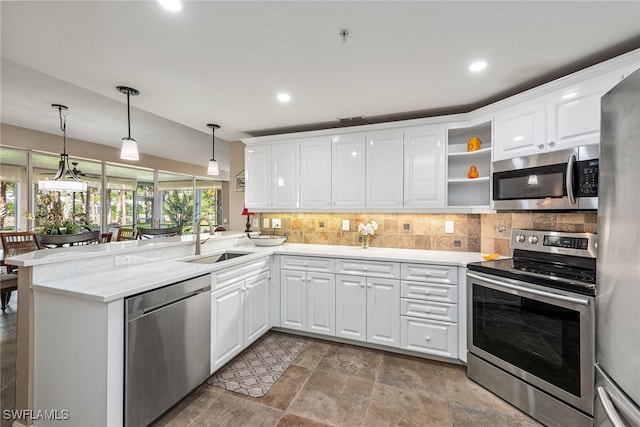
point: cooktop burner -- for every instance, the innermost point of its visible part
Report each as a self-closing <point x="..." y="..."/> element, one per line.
<point x="548" y="258"/>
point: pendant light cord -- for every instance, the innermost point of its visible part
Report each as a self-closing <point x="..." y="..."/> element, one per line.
<point x="63" y="128"/>
<point x="128" y="115"/>
<point x="213" y="143"/>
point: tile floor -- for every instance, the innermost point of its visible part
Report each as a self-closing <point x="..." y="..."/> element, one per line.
<point x="329" y="384"/>
<point x="332" y="384"/>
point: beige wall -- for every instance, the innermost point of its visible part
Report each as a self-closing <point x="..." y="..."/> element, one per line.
<point x="236" y="198"/>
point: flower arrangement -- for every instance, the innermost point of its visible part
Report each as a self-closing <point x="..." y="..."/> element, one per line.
<point x="366" y="231"/>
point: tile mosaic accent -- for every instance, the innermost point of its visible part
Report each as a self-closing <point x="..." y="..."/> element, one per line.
<point x="484" y="233"/>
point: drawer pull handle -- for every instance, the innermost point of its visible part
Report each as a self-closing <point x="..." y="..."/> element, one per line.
<point x="427" y="338"/>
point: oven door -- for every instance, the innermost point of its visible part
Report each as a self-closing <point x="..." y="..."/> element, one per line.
<point x="543" y="337"/>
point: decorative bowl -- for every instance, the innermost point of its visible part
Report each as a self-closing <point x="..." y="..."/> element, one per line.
<point x="268" y="240"/>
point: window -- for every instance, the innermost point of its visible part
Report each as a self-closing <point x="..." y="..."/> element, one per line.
<point x="125" y="185"/>
<point x="176" y="201"/>
<point x="12" y="175"/>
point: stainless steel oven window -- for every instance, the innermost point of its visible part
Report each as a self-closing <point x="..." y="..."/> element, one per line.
<point x="542" y="337"/>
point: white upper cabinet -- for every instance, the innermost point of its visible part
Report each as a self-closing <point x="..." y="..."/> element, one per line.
<point x="384" y="154"/>
<point x="348" y="171"/>
<point x="424" y="171"/>
<point x="258" y="176"/>
<point x="315" y="179"/>
<point x="286" y="175"/>
<point x="520" y="130"/>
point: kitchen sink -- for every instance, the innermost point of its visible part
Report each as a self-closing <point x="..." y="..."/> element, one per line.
<point x="212" y="259"/>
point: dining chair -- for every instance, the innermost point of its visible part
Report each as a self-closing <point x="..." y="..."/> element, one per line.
<point x="152" y="233"/>
<point x="126" y="233"/>
<point x="220" y="228"/>
<point x="14" y="243"/>
<point x="59" y="240"/>
<point x="106" y="237"/>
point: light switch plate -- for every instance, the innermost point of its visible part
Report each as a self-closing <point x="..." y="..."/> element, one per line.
<point x="265" y="223"/>
<point x="345" y="225"/>
<point x="256" y="223"/>
<point x="448" y="227"/>
<point x="275" y="223"/>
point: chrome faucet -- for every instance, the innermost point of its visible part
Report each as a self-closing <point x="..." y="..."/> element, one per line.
<point x="198" y="242"/>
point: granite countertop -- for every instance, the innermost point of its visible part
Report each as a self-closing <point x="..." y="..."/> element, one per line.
<point x="124" y="281"/>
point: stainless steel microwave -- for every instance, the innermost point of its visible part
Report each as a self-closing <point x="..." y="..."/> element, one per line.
<point x="558" y="180"/>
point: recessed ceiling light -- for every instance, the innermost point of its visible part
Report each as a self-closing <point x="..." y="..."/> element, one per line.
<point x="284" y="97"/>
<point x="172" y="5"/>
<point x="477" y="66"/>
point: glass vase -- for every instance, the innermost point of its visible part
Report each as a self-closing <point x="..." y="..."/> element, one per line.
<point x="365" y="241"/>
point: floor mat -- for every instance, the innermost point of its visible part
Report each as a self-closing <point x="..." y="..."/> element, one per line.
<point x="256" y="370"/>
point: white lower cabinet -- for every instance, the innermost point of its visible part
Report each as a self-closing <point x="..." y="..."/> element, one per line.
<point x="368" y="309"/>
<point x="239" y="315"/>
<point x="308" y="301"/>
<point x="429" y="309"/>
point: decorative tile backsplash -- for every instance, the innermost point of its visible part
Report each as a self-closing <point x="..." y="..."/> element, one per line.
<point x="484" y="233"/>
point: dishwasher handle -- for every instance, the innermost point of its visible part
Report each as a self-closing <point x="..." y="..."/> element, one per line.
<point x="139" y="305"/>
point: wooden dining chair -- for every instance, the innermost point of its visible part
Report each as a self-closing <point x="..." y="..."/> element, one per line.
<point x="106" y="237"/>
<point x="152" y="233"/>
<point x="59" y="240"/>
<point x="220" y="228"/>
<point x="14" y="243"/>
<point x="126" y="233"/>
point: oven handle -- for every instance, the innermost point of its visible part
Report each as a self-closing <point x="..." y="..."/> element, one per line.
<point x="569" y="178"/>
<point x="531" y="291"/>
<point x="608" y="407"/>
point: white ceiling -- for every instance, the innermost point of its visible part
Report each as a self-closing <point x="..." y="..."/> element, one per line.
<point x="225" y="61"/>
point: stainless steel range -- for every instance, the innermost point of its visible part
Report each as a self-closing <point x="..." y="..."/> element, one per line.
<point x="531" y="325"/>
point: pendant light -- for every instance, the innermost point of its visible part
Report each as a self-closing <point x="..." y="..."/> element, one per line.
<point x="129" y="145"/>
<point x="213" y="163"/>
<point x="59" y="183"/>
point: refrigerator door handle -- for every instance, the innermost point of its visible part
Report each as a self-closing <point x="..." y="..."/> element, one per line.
<point x="608" y="407"/>
<point x="569" y="178"/>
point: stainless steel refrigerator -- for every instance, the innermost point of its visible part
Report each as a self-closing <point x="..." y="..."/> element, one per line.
<point x="618" y="269"/>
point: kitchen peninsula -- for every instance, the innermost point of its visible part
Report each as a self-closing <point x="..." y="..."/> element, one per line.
<point x="77" y="365"/>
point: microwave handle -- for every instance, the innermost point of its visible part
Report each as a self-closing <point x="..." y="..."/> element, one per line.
<point x="569" y="178"/>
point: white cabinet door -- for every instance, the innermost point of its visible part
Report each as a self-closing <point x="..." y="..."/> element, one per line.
<point x="383" y="311"/>
<point x="520" y="131"/>
<point x="424" y="171"/>
<point x="286" y="175"/>
<point x="258" y="174"/>
<point x="321" y="303"/>
<point x="315" y="173"/>
<point x="384" y="154"/>
<point x="348" y="171"/>
<point x="227" y="324"/>
<point x="351" y="307"/>
<point x="256" y="307"/>
<point x="293" y="302"/>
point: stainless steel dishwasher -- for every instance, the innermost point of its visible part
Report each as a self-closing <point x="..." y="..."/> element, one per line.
<point x="167" y="347"/>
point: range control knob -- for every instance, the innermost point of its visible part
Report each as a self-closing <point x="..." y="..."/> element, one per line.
<point x="533" y="240"/>
<point x="519" y="238"/>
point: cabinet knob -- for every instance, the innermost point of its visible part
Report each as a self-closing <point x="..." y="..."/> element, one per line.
<point x="541" y="146"/>
<point x="552" y="143"/>
<point x="427" y="338"/>
<point x="362" y="286"/>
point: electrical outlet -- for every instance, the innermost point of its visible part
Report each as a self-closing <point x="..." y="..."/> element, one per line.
<point x="275" y="223"/>
<point x="121" y="260"/>
<point x="448" y="227"/>
<point x="265" y="223"/>
<point x="345" y="225"/>
<point x="256" y="223"/>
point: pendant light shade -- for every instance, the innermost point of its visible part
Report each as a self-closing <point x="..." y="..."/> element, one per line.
<point x="60" y="181"/>
<point x="129" y="145"/>
<point x="213" y="163"/>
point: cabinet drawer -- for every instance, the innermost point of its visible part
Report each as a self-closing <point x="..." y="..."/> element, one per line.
<point x="390" y="270"/>
<point x="429" y="291"/>
<point x="222" y="278"/>
<point x="429" y="310"/>
<point x="288" y="262"/>
<point x="430" y="273"/>
<point x="428" y="336"/>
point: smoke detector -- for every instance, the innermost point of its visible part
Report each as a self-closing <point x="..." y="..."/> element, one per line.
<point x="344" y="34"/>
